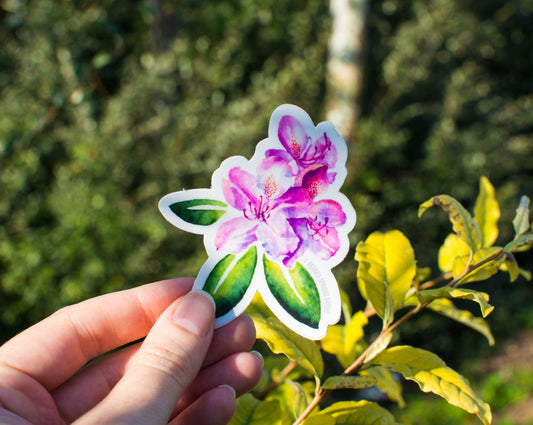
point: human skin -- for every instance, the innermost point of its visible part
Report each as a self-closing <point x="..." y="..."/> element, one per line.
<point x="183" y="371"/>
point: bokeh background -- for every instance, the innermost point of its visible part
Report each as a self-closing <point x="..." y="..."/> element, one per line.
<point x="107" y="105"/>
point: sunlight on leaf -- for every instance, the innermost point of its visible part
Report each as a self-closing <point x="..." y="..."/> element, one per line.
<point x="521" y="221"/>
<point x="281" y="340"/>
<point x="467" y="294"/>
<point x="360" y="413"/>
<point x="452" y="248"/>
<point x="386" y="270"/>
<point x="432" y="375"/>
<point x="479" y="273"/>
<point x="487" y="213"/>
<point x="342" y="340"/>
<point x="462" y="222"/>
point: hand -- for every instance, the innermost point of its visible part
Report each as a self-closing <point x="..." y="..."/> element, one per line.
<point x="182" y="373"/>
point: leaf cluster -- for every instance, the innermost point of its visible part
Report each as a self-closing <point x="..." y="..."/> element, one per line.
<point x="389" y="278"/>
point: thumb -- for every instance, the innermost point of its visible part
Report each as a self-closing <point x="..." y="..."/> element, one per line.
<point x="166" y="363"/>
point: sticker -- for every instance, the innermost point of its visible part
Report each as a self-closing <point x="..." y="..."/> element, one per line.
<point x="275" y="224"/>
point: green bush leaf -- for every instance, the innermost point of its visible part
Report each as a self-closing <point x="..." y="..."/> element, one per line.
<point x="431" y="374"/>
<point x="319" y="419"/>
<point x="386" y="270"/>
<point x="229" y="280"/>
<point x="520" y="243"/>
<point x="445" y="307"/>
<point x="295" y="290"/>
<point x="483" y="272"/>
<point x="521" y="221"/>
<point x="251" y="411"/>
<point x="202" y="212"/>
<point x="359" y="413"/>
<point x="462" y="222"/>
<point x="293" y="398"/>
<point x="467" y="294"/>
<point x="282" y="340"/>
<point x="346" y="382"/>
<point x="386" y="382"/>
<point x="452" y="248"/>
<point x="342" y="340"/>
<point x="487" y="213"/>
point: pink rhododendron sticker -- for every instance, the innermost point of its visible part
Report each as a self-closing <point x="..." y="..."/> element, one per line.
<point x="275" y="224"/>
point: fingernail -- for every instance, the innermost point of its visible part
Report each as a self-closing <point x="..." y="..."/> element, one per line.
<point x="229" y="388"/>
<point x="259" y="356"/>
<point x="195" y="312"/>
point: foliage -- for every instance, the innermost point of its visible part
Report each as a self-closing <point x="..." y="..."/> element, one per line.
<point x="390" y="280"/>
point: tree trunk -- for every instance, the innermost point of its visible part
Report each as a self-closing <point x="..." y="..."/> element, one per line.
<point x="345" y="64"/>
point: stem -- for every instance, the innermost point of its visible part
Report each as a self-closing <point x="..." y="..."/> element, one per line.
<point x="276" y="383"/>
<point x="358" y="363"/>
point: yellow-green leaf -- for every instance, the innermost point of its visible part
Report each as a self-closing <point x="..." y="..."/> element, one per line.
<point x="319" y="419"/>
<point x="386" y="270"/>
<point x="462" y="222"/>
<point x="386" y="382"/>
<point x="432" y="375"/>
<point x="281" y="340"/>
<point x="445" y="307"/>
<point x="346" y="382"/>
<point x="487" y="212"/>
<point x="343" y="340"/>
<point x="359" y="413"/>
<point x="292" y="397"/>
<point x="452" y="248"/>
<point x="467" y="294"/>
<point x="251" y="411"/>
<point x="521" y="221"/>
<point x="483" y="272"/>
<point x="520" y="243"/>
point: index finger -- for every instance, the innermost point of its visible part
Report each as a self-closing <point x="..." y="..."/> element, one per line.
<point x="54" y="349"/>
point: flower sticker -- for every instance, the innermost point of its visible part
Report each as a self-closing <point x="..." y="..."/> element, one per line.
<point x="275" y="224"/>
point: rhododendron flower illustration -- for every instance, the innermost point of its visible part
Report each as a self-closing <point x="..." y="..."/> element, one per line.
<point x="275" y="224"/>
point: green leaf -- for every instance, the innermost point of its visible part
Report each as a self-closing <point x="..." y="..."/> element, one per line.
<point x="483" y="272"/>
<point x="319" y="419"/>
<point x="467" y="294"/>
<point x="347" y="382"/>
<point x="386" y="270"/>
<point x="452" y="248"/>
<point x="293" y="398"/>
<point x="520" y="243"/>
<point x="282" y="340"/>
<point x="521" y="221"/>
<point x="251" y="411"/>
<point x="386" y="382"/>
<point x="487" y="213"/>
<point x="202" y="212"/>
<point x="295" y="290"/>
<point x="359" y="413"/>
<point x="342" y="340"/>
<point x="431" y="374"/>
<point x="229" y="280"/>
<point x="462" y="222"/>
<point x="445" y="307"/>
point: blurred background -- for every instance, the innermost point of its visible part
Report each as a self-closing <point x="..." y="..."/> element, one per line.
<point x="106" y="106"/>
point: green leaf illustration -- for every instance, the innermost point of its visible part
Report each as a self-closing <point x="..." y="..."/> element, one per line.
<point x="295" y="290"/>
<point x="431" y="374"/>
<point x="230" y="279"/>
<point x="463" y="223"/>
<point x="202" y="212"/>
<point x="386" y="270"/>
<point x="281" y="340"/>
<point x="360" y="413"/>
<point x="487" y="213"/>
